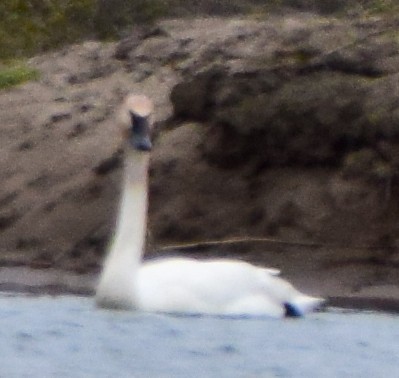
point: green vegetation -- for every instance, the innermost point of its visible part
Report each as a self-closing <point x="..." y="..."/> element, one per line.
<point x="382" y="6"/>
<point x="16" y="74"/>
<point x="31" y="26"/>
<point x="111" y="17"/>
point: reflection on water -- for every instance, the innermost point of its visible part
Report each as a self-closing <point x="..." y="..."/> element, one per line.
<point x="68" y="337"/>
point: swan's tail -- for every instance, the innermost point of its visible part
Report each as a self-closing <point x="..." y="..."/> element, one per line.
<point x="302" y="304"/>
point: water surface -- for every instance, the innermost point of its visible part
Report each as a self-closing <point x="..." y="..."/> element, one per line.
<point x="67" y="336"/>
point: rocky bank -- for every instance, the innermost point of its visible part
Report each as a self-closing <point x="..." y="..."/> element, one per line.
<point x="279" y="137"/>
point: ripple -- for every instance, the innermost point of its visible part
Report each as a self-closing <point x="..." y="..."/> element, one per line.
<point x="69" y="337"/>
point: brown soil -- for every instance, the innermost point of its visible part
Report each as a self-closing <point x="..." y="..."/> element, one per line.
<point x="284" y="130"/>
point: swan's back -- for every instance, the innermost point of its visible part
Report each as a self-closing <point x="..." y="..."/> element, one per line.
<point x="217" y="287"/>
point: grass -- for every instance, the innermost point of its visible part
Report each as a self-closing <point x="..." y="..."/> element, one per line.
<point x="32" y="26"/>
<point x="16" y="74"/>
<point x="382" y="6"/>
<point x="29" y="27"/>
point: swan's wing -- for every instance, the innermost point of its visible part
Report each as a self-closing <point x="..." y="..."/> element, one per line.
<point x="222" y="287"/>
<point x="242" y="265"/>
<point x="272" y="271"/>
<point x="219" y="287"/>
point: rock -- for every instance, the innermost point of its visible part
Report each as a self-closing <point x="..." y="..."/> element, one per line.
<point x="193" y="99"/>
<point x="7" y="220"/>
<point x="55" y="118"/>
<point x="108" y="165"/>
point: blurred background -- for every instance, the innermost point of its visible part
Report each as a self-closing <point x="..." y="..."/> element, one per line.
<point x="277" y="134"/>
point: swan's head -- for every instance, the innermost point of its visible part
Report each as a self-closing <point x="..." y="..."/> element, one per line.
<point x="136" y="120"/>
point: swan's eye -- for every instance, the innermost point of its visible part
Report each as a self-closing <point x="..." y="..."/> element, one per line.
<point x="140" y="132"/>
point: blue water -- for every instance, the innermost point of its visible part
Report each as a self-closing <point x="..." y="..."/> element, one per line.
<point x="68" y="337"/>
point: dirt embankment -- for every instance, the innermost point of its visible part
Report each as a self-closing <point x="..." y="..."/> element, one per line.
<point x="286" y="129"/>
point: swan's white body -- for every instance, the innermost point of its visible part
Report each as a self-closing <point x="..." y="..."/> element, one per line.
<point x="183" y="285"/>
<point x="216" y="287"/>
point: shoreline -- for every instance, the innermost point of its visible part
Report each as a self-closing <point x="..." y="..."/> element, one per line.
<point x="57" y="282"/>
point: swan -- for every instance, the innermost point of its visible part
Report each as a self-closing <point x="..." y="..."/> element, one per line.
<point x="221" y="287"/>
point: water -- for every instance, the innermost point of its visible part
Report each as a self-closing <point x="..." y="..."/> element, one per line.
<point x="68" y="337"/>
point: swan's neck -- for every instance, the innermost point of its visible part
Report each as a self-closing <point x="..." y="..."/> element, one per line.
<point x="132" y="219"/>
<point x="117" y="282"/>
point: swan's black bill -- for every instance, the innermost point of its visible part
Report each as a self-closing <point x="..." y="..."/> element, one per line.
<point x="140" y="133"/>
<point x="143" y="144"/>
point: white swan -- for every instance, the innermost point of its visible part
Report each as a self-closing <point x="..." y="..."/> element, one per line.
<point x="179" y="285"/>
